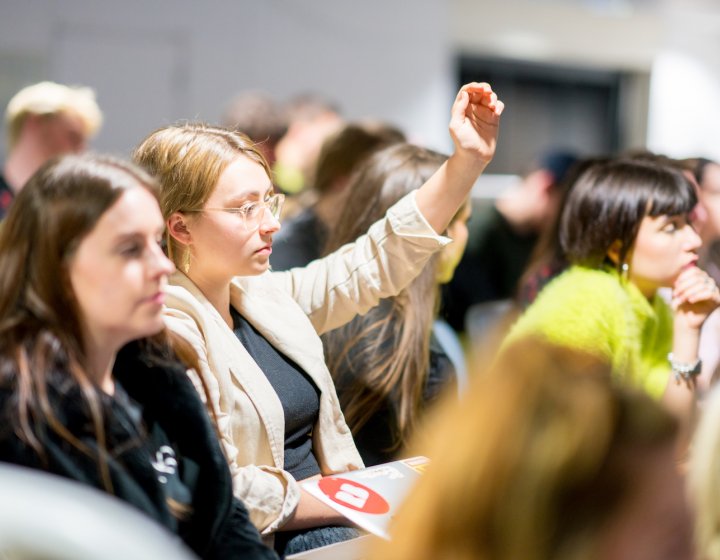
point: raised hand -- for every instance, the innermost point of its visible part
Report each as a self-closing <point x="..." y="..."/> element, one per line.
<point x="474" y="122"/>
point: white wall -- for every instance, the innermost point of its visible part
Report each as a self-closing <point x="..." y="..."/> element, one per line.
<point x="685" y="88"/>
<point x="155" y="62"/>
<point x="579" y="32"/>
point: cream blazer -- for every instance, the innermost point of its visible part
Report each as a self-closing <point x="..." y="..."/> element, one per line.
<point x="291" y="309"/>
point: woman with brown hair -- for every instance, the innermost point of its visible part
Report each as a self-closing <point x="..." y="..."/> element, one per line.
<point x="82" y="275"/>
<point x="386" y="364"/>
<point x="256" y="332"/>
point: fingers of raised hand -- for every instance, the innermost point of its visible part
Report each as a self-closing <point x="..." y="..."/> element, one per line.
<point x="482" y="98"/>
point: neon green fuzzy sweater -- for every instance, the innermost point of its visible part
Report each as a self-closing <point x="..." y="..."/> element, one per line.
<point x="594" y="310"/>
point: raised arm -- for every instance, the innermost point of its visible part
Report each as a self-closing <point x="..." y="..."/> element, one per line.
<point x="332" y="290"/>
<point x="474" y="123"/>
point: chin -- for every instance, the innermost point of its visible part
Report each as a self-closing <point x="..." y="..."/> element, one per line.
<point x="256" y="269"/>
<point x="151" y="328"/>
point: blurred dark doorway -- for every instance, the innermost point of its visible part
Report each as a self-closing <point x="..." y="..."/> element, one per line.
<point x="552" y="106"/>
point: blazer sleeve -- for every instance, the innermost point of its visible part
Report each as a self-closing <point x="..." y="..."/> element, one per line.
<point x="270" y="494"/>
<point x="379" y="264"/>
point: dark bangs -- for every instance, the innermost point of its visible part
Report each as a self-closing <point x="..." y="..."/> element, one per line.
<point x="608" y="202"/>
<point x="674" y="196"/>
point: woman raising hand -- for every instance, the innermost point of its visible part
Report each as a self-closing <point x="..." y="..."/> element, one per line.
<point x="257" y="332"/>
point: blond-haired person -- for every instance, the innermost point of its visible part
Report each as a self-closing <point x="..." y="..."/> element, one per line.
<point x="44" y="120"/>
<point x="256" y="332"/>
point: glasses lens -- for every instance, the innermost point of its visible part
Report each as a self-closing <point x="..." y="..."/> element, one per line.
<point x="275" y="205"/>
<point x="254" y="217"/>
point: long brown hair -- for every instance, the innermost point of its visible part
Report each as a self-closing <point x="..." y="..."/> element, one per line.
<point x="384" y="355"/>
<point x="40" y="322"/>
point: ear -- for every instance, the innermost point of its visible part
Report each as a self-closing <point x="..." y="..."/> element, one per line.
<point x="177" y="226"/>
<point x="613" y="252"/>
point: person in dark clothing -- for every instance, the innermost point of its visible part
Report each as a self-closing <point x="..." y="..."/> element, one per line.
<point x="82" y="276"/>
<point x="502" y="238"/>
<point x="303" y="236"/>
<point x="548" y="259"/>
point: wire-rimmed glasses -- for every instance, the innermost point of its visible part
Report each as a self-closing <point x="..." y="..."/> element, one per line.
<point x="252" y="213"/>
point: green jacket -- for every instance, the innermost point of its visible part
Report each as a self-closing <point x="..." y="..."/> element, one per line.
<point x="595" y="311"/>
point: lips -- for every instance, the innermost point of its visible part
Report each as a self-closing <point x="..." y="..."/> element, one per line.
<point x="157" y="298"/>
<point x="266" y="250"/>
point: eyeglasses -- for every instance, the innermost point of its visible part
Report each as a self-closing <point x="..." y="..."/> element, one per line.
<point x="252" y="213"/>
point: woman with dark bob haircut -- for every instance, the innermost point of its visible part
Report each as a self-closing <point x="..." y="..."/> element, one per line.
<point x="91" y="385"/>
<point x="626" y="232"/>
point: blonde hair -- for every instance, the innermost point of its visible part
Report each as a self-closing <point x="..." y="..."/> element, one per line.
<point x="542" y="454"/>
<point x="49" y="98"/>
<point x="188" y="160"/>
<point x="704" y="479"/>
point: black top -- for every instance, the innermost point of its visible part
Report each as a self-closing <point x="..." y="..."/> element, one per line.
<point x="298" y="394"/>
<point x="494" y="260"/>
<point x="377" y="439"/>
<point x="176" y="474"/>
<point x="6" y="196"/>
<point x="218" y="526"/>
<point x="300" y="240"/>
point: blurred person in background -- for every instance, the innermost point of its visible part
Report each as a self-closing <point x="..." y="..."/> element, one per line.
<point x="707" y="176"/>
<point x="546" y="458"/>
<point x="44" y="120"/>
<point x="311" y="119"/>
<point x="303" y="237"/>
<point x="502" y="237"/>
<point x="257" y="115"/>
<point x="387" y="366"/>
<point x="92" y="386"/>
<point x="547" y="259"/>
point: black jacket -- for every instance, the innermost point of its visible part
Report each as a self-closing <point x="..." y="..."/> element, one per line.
<point x="218" y="527"/>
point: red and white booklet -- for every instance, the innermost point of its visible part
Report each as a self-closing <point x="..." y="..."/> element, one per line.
<point x="369" y="497"/>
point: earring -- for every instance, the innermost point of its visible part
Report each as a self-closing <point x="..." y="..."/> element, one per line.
<point x="624" y="270"/>
<point x="185" y="265"/>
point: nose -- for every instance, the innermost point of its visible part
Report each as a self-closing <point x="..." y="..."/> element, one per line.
<point x="692" y="239"/>
<point x="159" y="263"/>
<point x="269" y="223"/>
